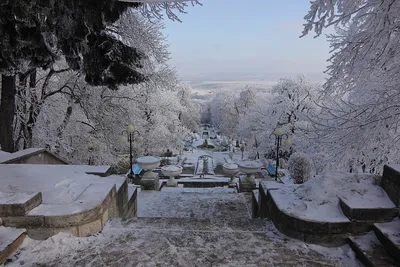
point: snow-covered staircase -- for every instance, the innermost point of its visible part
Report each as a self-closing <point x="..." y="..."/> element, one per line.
<point x="381" y="246"/>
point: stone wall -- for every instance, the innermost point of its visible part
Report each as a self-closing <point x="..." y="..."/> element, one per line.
<point x="391" y="183"/>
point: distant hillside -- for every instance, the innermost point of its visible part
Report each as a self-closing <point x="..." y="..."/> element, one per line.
<point x="204" y="88"/>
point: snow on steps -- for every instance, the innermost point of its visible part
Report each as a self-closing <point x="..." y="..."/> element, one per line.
<point x="193" y="203"/>
<point x="369" y="207"/>
<point x="10" y="240"/>
<point x="389" y="235"/>
<point x="196" y="224"/>
<point x="370" y="251"/>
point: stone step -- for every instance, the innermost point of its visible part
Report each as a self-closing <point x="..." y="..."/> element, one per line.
<point x="204" y="190"/>
<point x="370" y="251"/>
<point x="389" y="235"/>
<point x="14" y="204"/>
<point x="196" y="224"/>
<point x="193" y="203"/>
<point x="369" y="208"/>
<point x="204" y="183"/>
<point x="10" y="240"/>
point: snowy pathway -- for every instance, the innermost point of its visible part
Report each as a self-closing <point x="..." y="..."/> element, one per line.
<point x="182" y="242"/>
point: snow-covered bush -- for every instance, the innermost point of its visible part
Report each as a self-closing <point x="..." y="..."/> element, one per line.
<point x="300" y="167"/>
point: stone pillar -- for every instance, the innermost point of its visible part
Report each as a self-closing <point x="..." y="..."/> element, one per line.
<point x="150" y="182"/>
<point x="172" y="182"/>
<point x="246" y="184"/>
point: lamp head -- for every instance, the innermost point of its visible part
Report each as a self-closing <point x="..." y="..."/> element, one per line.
<point x="130" y="129"/>
<point x="278" y="132"/>
<point x="287" y="142"/>
<point x="139" y="139"/>
<point x="122" y="138"/>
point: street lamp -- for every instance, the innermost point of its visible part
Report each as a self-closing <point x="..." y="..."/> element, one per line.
<point x="278" y="141"/>
<point x="130" y="132"/>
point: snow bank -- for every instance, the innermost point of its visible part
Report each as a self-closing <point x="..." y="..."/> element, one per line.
<point x="318" y="198"/>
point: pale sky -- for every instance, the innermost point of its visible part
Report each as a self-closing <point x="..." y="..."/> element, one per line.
<point x="225" y="39"/>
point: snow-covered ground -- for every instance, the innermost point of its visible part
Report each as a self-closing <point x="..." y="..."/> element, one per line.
<point x="181" y="242"/>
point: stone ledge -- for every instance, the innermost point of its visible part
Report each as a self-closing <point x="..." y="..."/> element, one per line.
<point x="11" y="204"/>
<point x="23" y="221"/>
<point x="78" y="218"/>
<point x="368" y="214"/>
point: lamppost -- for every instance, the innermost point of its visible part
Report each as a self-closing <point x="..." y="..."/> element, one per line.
<point x="130" y="132"/>
<point x="278" y="141"/>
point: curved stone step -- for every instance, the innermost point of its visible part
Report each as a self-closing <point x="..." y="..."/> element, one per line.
<point x="389" y="235"/>
<point x="370" y="251"/>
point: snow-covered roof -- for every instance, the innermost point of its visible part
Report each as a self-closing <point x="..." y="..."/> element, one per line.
<point x="6" y="157"/>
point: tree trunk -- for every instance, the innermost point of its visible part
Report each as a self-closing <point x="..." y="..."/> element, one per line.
<point x="32" y="114"/>
<point x="61" y="128"/>
<point x="20" y="113"/>
<point x="7" y="107"/>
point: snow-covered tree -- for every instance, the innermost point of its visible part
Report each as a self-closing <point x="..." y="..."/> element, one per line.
<point x="83" y="123"/>
<point x="360" y="113"/>
<point x="224" y="114"/>
<point x="286" y="106"/>
<point x="36" y="34"/>
<point x="300" y="167"/>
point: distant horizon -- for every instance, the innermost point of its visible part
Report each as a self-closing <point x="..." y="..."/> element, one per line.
<point x="250" y="77"/>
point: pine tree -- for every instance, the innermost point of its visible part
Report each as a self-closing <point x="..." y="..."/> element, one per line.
<point x="36" y="33"/>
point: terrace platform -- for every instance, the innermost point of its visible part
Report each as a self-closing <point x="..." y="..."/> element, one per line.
<point x="48" y="199"/>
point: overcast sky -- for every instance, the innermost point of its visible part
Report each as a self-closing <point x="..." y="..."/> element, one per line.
<point x="224" y="39"/>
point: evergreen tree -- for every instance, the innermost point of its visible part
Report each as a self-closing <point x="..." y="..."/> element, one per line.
<point x="36" y="33"/>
